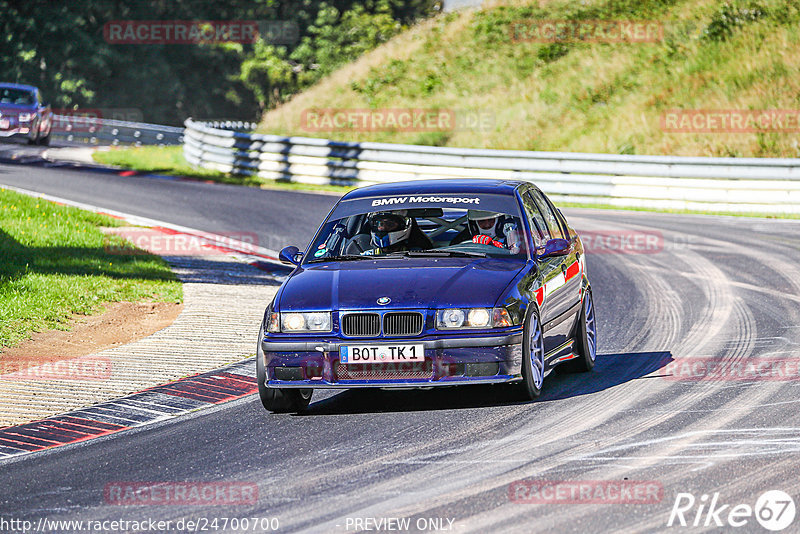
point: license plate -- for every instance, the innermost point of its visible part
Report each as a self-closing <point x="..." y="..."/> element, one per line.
<point x="354" y="354"/>
<point x="4" y="124"/>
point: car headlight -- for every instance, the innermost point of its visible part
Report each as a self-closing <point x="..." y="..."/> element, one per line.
<point x="25" y="117"/>
<point x="478" y="317"/>
<point x="300" y="322"/>
<point x="452" y="318"/>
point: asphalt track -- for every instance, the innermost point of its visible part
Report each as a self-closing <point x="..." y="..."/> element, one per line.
<point x="714" y="287"/>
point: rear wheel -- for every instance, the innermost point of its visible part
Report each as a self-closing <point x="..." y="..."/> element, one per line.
<point x="585" y="338"/>
<point x="532" y="359"/>
<point x="278" y="400"/>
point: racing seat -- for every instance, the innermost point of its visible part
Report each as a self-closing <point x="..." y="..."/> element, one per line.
<point x="418" y="239"/>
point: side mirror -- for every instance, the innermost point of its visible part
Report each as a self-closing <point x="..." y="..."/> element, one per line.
<point x="290" y="255"/>
<point x="555" y="247"/>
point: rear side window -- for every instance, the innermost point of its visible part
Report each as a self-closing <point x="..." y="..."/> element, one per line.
<point x="563" y="221"/>
<point x="549" y="214"/>
<point x="539" y="229"/>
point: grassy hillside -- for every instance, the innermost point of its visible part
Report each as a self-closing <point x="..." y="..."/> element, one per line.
<point x="583" y="96"/>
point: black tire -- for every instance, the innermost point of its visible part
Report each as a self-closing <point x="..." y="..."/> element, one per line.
<point x="278" y="400"/>
<point x="585" y="339"/>
<point x="532" y="351"/>
<point x="45" y="141"/>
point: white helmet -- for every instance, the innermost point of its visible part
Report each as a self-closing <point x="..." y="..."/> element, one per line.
<point x="477" y="216"/>
<point x="389" y="228"/>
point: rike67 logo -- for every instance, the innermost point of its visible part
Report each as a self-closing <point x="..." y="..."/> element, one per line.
<point x="774" y="510"/>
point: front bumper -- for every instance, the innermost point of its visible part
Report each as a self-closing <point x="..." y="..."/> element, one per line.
<point x="448" y="361"/>
<point x="18" y="132"/>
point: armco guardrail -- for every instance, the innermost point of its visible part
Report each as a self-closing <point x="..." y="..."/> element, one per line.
<point x="746" y="185"/>
<point x="98" y="131"/>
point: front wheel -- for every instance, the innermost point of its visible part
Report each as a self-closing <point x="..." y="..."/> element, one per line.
<point x="284" y="400"/>
<point x="278" y="400"/>
<point x="532" y="359"/>
<point x="585" y="338"/>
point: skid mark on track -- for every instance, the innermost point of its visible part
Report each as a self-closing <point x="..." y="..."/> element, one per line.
<point x="723" y="313"/>
<point x="708" y="445"/>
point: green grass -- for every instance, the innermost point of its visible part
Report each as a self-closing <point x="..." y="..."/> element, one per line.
<point x="581" y="96"/>
<point x="55" y="263"/>
<point x="169" y="160"/>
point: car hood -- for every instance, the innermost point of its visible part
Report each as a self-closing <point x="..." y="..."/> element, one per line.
<point x="408" y="282"/>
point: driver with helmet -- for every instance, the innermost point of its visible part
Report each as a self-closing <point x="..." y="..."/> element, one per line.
<point x="394" y="232"/>
<point x="489" y="228"/>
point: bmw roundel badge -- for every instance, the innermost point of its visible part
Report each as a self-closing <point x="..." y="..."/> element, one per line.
<point x="384" y="300"/>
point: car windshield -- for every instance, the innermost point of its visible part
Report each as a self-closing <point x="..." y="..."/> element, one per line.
<point x="433" y="232"/>
<point x="12" y="95"/>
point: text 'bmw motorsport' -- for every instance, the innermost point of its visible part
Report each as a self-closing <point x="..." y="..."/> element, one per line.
<point x="402" y="200"/>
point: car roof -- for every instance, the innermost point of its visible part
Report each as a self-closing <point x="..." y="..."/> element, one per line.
<point x="18" y="86"/>
<point x="437" y="187"/>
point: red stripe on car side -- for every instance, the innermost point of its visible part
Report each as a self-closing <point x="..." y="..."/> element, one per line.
<point x="573" y="270"/>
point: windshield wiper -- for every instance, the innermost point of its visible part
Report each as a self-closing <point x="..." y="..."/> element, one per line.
<point x="354" y="257"/>
<point x="441" y="253"/>
<point x="346" y="257"/>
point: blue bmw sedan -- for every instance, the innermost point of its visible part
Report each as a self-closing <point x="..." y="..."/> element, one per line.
<point x="430" y="283"/>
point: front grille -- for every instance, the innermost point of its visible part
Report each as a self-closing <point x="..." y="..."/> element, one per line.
<point x="385" y="371"/>
<point x="402" y="323"/>
<point x="361" y="324"/>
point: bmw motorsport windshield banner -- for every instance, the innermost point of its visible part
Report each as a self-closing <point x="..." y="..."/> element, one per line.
<point x="497" y="203"/>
